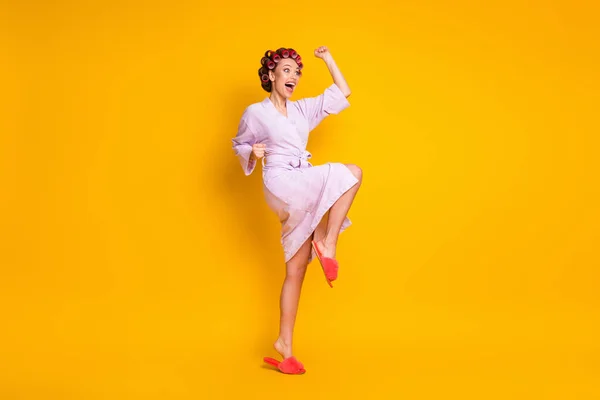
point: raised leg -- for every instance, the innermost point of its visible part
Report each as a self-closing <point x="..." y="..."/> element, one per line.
<point x="290" y="298"/>
<point x="321" y="229"/>
<point x="338" y="212"/>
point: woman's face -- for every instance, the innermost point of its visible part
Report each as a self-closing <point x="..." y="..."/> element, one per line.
<point x="285" y="77"/>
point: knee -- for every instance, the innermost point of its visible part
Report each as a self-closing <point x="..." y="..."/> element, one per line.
<point x="356" y="171"/>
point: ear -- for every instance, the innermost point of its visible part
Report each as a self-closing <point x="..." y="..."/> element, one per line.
<point x="272" y="75"/>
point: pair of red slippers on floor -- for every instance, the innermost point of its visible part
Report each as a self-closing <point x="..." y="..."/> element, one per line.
<point x="291" y="365"/>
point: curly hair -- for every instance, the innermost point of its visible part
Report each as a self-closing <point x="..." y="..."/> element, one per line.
<point x="269" y="62"/>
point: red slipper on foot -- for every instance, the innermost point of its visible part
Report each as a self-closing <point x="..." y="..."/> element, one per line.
<point x="288" y="366"/>
<point x="329" y="265"/>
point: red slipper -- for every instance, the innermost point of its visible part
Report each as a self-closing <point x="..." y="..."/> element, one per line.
<point x="288" y="366"/>
<point x="329" y="265"/>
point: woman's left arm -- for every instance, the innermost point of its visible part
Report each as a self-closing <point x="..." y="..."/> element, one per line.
<point x="324" y="54"/>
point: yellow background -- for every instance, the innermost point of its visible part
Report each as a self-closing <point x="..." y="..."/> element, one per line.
<point x="138" y="262"/>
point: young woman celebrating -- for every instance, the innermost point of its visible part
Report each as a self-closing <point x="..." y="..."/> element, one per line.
<point x="311" y="202"/>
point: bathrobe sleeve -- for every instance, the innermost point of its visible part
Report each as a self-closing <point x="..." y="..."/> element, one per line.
<point x="242" y="145"/>
<point x="316" y="109"/>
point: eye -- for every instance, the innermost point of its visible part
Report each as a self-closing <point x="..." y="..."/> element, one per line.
<point x="287" y="70"/>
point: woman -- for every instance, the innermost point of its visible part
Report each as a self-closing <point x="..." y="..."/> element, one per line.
<point x="312" y="202"/>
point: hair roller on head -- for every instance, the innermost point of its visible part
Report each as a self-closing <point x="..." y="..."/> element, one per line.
<point x="298" y="58"/>
<point x="285" y="53"/>
<point x="276" y="58"/>
<point x="264" y="60"/>
<point x="264" y="78"/>
<point x="293" y="54"/>
<point x="270" y="64"/>
<point x="267" y="86"/>
<point x="300" y="65"/>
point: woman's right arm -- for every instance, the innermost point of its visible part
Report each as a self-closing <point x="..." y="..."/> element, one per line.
<point x="246" y="143"/>
<point x="242" y="145"/>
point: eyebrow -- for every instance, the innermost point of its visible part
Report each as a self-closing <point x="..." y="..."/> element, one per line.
<point x="289" y="65"/>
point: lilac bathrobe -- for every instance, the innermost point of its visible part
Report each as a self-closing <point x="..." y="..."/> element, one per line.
<point x="298" y="192"/>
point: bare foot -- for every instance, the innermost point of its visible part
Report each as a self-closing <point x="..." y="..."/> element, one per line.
<point x="327" y="249"/>
<point x="283" y="348"/>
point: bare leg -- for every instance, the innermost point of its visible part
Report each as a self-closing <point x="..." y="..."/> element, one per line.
<point x="290" y="298"/>
<point x="337" y="214"/>
<point x="321" y="229"/>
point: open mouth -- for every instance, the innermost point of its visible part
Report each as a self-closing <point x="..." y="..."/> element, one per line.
<point x="290" y="86"/>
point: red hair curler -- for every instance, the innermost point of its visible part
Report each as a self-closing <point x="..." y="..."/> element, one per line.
<point x="285" y="54"/>
<point x="276" y="58"/>
<point x="293" y="54"/>
<point x="300" y="65"/>
<point x="264" y="78"/>
<point x="270" y="64"/>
